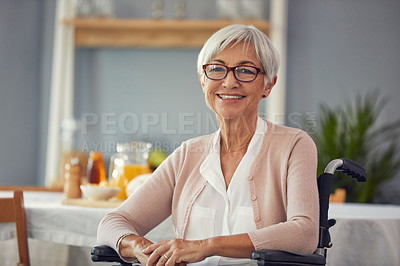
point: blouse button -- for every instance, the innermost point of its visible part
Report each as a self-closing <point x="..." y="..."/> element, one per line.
<point x="253" y="198"/>
<point x="250" y="177"/>
<point x="257" y="218"/>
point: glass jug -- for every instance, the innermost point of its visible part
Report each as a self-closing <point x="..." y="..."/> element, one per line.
<point x="129" y="162"/>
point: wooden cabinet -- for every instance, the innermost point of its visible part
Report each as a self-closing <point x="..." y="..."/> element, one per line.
<point x="147" y="33"/>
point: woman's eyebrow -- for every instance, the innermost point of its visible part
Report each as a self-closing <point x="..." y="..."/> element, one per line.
<point x="219" y="61"/>
<point x="245" y="62"/>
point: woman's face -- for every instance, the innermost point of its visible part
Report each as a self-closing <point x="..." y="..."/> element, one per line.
<point x="230" y="98"/>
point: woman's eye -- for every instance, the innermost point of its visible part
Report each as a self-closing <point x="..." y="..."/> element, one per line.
<point x="246" y="70"/>
<point x="218" y="69"/>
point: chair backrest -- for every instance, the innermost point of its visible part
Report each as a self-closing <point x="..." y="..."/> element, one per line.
<point x="13" y="211"/>
<point x="30" y="188"/>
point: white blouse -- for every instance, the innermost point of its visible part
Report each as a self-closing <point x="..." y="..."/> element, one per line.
<point x="220" y="211"/>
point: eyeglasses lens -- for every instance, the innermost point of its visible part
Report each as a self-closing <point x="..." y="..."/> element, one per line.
<point x="246" y="73"/>
<point x="242" y="73"/>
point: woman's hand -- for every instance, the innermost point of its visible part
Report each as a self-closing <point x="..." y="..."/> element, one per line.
<point x="132" y="247"/>
<point x="176" y="252"/>
<point x="179" y="251"/>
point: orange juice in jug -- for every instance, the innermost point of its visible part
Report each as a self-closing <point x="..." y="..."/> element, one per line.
<point x="128" y="173"/>
<point x="129" y="162"/>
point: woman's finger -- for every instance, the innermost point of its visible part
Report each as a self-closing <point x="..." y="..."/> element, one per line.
<point x="165" y="260"/>
<point x="156" y="255"/>
<point x="138" y="251"/>
<point x="149" y="249"/>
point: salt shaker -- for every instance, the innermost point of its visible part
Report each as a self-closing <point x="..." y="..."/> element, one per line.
<point x="73" y="175"/>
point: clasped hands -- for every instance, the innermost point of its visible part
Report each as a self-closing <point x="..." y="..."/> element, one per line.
<point x="169" y="252"/>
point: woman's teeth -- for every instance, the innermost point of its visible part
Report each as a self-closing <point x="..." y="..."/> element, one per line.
<point x="225" y="97"/>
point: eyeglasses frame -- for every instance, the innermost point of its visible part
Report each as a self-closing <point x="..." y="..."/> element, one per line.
<point x="259" y="70"/>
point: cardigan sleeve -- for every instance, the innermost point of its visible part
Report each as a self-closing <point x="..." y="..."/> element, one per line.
<point x="143" y="210"/>
<point x="298" y="202"/>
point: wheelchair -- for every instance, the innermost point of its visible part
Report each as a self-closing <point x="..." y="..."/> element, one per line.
<point x="277" y="257"/>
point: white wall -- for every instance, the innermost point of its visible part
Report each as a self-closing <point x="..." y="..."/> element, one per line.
<point x="151" y="95"/>
<point x="20" y="57"/>
<point x="338" y="48"/>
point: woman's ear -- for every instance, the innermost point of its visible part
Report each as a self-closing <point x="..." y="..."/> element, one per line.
<point x="268" y="87"/>
<point x="201" y="79"/>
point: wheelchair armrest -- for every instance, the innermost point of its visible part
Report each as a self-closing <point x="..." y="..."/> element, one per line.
<point x="106" y="254"/>
<point x="277" y="257"/>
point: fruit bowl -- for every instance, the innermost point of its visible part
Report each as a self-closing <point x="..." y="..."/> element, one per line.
<point x="96" y="192"/>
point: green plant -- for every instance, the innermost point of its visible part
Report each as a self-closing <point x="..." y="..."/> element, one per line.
<point x="352" y="131"/>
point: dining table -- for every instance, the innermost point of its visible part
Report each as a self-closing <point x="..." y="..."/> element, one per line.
<point x="62" y="232"/>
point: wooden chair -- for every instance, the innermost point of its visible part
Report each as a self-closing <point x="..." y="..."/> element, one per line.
<point x="13" y="211"/>
<point x="30" y="188"/>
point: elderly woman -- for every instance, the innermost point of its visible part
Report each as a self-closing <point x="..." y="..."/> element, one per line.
<point x="249" y="186"/>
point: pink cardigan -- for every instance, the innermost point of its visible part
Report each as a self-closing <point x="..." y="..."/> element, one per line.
<point x="282" y="183"/>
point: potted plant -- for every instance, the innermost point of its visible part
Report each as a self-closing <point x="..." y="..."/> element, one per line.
<point x="352" y="131"/>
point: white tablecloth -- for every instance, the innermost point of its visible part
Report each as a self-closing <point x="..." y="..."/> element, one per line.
<point x="59" y="234"/>
<point x="49" y="220"/>
<point x="364" y="234"/>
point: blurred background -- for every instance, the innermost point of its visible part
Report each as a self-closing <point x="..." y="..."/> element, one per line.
<point x="336" y="50"/>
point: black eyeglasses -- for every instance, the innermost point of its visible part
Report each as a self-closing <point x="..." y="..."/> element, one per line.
<point x="241" y="73"/>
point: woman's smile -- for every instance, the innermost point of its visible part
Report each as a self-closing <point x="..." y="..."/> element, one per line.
<point x="230" y="97"/>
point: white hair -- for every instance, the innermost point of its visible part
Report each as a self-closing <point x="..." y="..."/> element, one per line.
<point x="237" y="33"/>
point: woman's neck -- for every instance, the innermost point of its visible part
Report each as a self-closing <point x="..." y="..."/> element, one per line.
<point x="236" y="134"/>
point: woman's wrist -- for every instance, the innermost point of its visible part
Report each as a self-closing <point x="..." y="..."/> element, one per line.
<point x="125" y="246"/>
<point x="207" y="246"/>
<point x="119" y="241"/>
<point x="236" y="246"/>
<point x="131" y="248"/>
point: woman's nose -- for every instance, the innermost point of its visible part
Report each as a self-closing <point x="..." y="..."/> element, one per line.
<point x="230" y="81"/>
